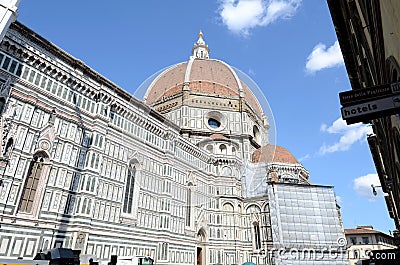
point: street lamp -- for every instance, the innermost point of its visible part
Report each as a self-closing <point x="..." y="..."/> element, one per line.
<point x="374" y="190"/>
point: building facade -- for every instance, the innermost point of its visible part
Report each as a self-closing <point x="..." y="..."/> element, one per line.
<point x="369" y="37"/>
<point x="362" y="240"/>
<point x="187" y="176"/>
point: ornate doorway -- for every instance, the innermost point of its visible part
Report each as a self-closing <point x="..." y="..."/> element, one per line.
<point x="201" y="247"/>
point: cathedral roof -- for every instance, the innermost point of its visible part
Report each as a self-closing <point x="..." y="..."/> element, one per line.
<point x="271" y="153"/>
<point x="203" y="75"/>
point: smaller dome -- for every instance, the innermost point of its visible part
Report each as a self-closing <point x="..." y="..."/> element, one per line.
<point x="271" y="153"/>
<point x="218" y="136"/>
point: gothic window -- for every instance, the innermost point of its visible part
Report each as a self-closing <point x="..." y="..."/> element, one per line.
<point x="163" y="254"/>
<point x="31" y="183"/>
<point x="189" y="204"/>
<point x="129" y="188"/>
<point x="257" y="236"/>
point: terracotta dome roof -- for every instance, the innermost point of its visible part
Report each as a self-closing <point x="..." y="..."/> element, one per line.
<point x="272" y="153"/>
<point x="167" y="83"/>
<point x="202" y="75"/>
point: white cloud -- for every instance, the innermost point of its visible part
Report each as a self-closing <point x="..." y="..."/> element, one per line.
<point x="242" y="15"/>
<point x="362" y="186"/>
<point x="322" y="57"/>
<point x="349" y="135"/>
<point x="304" y="158"/>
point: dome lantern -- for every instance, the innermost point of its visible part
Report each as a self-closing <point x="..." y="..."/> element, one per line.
<point x="200" y="48"/>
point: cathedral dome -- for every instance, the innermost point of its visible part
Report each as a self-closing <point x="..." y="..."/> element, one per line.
<point x="271" y="153"/>
<point x="202" y="76"/>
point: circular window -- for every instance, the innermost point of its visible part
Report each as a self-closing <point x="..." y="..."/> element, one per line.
<point x="214" y="123"/>
<point x="215" y="120"/>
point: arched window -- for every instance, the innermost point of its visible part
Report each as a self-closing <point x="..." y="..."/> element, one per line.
<point x="257" y="236"/>
<point x="253" y="209"/>
<point x="222" y="149"/>
<point x="129" y="187"/>
<point x="163" y="251"/>
<point x="256" y="134"/>
<point x="228" y="207"/>
<point x="189" y="204"/>
<point x="31" y="183"/>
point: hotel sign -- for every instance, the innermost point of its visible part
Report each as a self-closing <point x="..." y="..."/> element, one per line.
<point x="370" y="103"/>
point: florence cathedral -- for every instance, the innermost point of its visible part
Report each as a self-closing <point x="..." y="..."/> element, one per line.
<point x="186" y="174"/>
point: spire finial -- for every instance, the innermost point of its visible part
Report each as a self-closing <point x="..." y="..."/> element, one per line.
<point x="201" y="34"/>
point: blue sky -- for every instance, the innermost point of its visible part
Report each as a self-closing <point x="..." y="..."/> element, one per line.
<point x="287" y="47"/>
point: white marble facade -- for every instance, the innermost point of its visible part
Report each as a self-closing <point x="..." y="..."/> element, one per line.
<point x="86" y="165"/>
